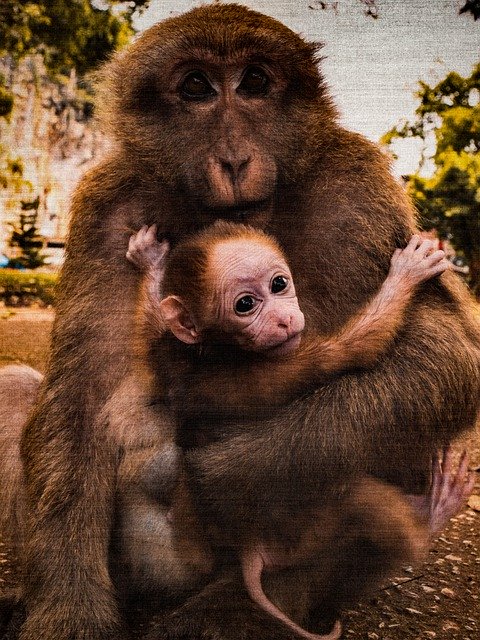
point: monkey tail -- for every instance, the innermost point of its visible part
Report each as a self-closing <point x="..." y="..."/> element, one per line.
<point x="253" y="565"/>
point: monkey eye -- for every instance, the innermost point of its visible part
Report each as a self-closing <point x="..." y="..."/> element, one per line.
<point x="279" y="283"/>
<point x="245" y="304"/>
<point x="196" y="87"/>
<point x="254" y="82"/>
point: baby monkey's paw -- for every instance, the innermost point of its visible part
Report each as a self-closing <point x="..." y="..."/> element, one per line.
<point x="145" y="251"/>
<point x="419" y="261"/>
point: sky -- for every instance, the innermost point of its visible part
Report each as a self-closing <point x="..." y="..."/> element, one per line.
<point x="372" y="66"/>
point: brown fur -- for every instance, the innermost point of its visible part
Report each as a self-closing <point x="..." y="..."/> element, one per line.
<point x="328" y="197"/>
<point x="219" y="380"/>
<point x="18" y="389"/>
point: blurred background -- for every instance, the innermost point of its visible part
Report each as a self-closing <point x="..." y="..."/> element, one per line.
<point x="405" y="74"/>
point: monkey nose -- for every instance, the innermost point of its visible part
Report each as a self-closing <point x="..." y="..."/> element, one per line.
<point x="285" y="322"/>
<point x="234" y="168"/>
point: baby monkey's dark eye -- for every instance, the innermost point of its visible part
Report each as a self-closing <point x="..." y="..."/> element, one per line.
<point x="254" y="82"/>
<point x="196" y="87"/>
<point x="279" y="283"/>
<point x="245" y="304"/>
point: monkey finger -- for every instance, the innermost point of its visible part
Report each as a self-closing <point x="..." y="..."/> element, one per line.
<point x="437" y="478"/>
<point x="445" y="264"/>
<point x="132" y="247"/>
<point x="163" y="248"/>
<point x="461" y="491"/>
<point x="151" y="234"/>
<point x="425" y="248"/>
<point x="462" y="471"/>
<point x="469" y="484"/>
<point x="143" y="230"/>
<point x="396" y="253"/>
<point x="437" y="269"/>
<point x="447" y="459"/>
<point x="414" y="243"/>
<point x="435" y="256"/>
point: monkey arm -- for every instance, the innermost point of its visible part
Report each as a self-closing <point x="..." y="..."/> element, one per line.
<point x="385" y="420"/>
<point x="69" y="461"/>
<point x="367" y="335"/>
<point x="273" y="383"/>
<point x="359" y="343"/>
<point x="149" y="323"/>
<point x="149" y="256"/>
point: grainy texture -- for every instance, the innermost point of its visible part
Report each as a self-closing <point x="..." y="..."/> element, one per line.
<point x="278" y="159"/>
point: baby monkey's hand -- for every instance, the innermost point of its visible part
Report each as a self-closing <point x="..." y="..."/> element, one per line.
<point x="419" y="261"/>
<point x="146" y="252"/>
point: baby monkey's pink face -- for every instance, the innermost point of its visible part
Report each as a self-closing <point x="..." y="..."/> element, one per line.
<point x="254" y="299"/>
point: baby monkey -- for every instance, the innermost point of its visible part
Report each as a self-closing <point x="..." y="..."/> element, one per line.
<point x="229" y="289"/>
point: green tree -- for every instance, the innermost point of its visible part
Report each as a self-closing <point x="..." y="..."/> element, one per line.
<point x="68" y="35"/>
<point x="448" y="122"/>
<point x="11" y="169"/>
<point x="77" y="34"/>
<point x="26" y="238"/>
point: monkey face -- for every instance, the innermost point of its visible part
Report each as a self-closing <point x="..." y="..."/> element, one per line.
<point x="218" y="108"/>
<point x="255" y="302"/>
<point x="231" y="168"/>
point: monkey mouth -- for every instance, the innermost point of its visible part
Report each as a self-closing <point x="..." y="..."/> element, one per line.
<point x="241" y="212"/>
<point x="286" y="347"/>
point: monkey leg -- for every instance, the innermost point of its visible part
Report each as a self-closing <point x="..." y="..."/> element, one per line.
<point x="378" y="532"/>
<point x="19" y="386"/>
<point x="158" y="550"/>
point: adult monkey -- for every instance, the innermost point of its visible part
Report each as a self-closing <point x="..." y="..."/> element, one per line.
<point x="221" y="113"/>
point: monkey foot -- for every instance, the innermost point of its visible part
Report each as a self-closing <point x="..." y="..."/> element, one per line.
<point x="448" y="492"/>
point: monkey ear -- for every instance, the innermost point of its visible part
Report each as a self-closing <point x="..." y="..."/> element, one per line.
<point x="179" y="320"/>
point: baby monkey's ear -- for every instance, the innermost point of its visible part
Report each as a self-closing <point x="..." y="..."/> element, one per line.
<point x="179" y="320"/>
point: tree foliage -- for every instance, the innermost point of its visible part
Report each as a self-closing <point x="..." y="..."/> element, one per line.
<point x="26" y="238"/>
<point x="77" y="34"/>
<point x="448" y="121"/>
<point x="473" y="7"/>
<point x="57" y="40"/>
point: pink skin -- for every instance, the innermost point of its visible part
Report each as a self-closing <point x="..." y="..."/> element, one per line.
<point x="150" y="256"/>
<point x="448" y="492"/>
<point x="418" y="262"/>
<point x="246" y="269"/>
<point x="146" y="252"/>
<point x="240" y="268"/>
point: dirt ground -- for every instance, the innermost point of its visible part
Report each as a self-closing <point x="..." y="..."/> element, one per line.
<point x="438" y="600"/>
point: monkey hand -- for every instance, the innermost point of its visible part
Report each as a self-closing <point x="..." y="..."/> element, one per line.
<point x="448" y="492"/>
<point x="419" y="261"/>
<point x="145" y="252"/>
